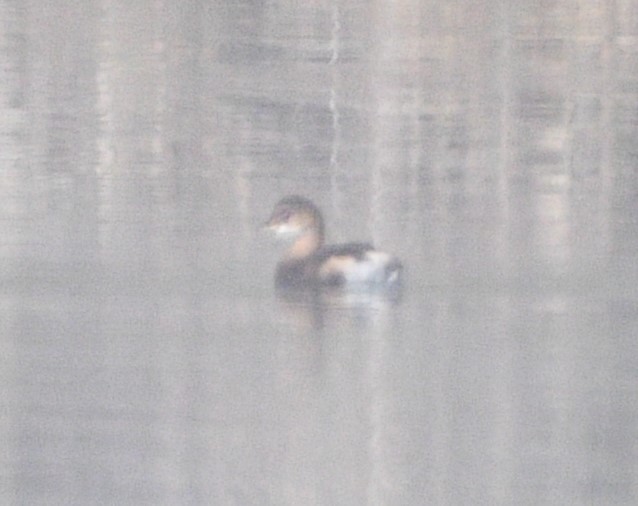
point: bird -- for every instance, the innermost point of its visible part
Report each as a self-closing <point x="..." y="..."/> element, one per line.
<point x="308" y="262"/>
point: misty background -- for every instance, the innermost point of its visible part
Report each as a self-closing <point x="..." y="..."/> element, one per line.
<point x="145" y="357"/>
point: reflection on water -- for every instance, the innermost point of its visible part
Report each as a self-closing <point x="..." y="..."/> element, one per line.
<point x="315" y="310"/>
<point x="146" y="356"/>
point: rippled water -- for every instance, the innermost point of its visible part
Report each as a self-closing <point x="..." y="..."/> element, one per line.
<point x="145" y="355"/>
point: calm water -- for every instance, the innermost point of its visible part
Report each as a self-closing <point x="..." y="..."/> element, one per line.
<point x="145" y="356"/>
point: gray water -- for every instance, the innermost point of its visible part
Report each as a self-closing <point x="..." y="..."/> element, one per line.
<point x="145" y="355"/>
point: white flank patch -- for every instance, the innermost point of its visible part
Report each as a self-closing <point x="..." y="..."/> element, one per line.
<point x="370" y="270"/>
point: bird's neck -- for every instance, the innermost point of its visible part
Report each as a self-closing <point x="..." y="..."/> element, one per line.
<point x="305" y="245"/>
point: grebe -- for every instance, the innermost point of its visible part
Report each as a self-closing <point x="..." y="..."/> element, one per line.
<point x="308" y="263"/>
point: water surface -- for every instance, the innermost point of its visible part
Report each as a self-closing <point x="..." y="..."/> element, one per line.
<point x="146" y="357"/>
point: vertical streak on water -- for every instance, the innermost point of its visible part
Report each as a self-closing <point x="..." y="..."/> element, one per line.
<point x="105" y="138"/>
<point x="10" y="92"/>
<point x="505" y="157"/>
<point x="8" y="396"/>
<point x="333" y="105"/>
<point x="380" y="406"/>
<point x="11" y="125"/>
<point x="170" y="438"/>
<point x="160" y="56"/>
<point x="606" y="129"/>
<point x="502" y="395"/>
<point x="378" y="480"/>
<point x="502" y="433"/>
<point x="393" y="121"/>
<point x="9" y="154"/>
<point x="442" y="417"/>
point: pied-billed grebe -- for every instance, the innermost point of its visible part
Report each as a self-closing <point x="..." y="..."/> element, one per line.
<point x="309" y="263"/>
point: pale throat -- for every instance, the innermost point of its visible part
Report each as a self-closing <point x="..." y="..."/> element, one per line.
<point x="305" y="245"/>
